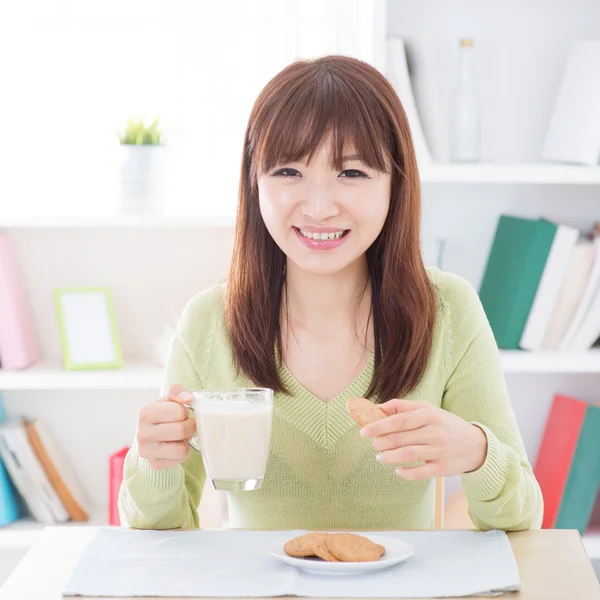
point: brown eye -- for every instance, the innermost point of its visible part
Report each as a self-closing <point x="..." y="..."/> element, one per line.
<point x="287" y="172"/>
<point x="352" y="173"/>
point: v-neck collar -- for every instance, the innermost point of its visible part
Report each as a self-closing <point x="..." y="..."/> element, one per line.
<point x="323" y="422"/>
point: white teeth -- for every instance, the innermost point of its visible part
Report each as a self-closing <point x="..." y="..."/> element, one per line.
<point x="321" y="236"/>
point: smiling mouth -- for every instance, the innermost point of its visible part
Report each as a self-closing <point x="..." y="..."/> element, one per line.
<point x="313" y="235"/>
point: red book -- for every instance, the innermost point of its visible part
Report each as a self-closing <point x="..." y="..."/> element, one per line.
<point x="556" y="452"/>
<point x="116" y="462"/>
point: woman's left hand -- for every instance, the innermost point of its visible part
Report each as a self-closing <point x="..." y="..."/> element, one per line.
<point x="416" y="431"/>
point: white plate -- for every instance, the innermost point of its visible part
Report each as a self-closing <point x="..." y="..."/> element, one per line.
<point x="395" y="552"/>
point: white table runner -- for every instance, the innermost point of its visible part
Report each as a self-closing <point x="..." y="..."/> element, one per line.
<point x="128" y="563"/>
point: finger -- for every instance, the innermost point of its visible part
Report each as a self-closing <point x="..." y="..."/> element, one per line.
<point x="176" y="451"/>
<point x="174" y="432"/>
<point x="408" y="454"/>
<point x="177" y="393"/>
<point x="426" y="471"/>
<point x="397" y="406"/>
<point x="399" y="439"/>
<point x="163" y="412"/>
<point x="398" y="422"/>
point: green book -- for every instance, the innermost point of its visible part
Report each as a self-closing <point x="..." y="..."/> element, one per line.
<point x="581" y="490"/>
<point x="512" y="274"/>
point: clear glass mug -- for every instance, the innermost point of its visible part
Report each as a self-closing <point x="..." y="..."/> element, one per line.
<point x="233" y="435"/>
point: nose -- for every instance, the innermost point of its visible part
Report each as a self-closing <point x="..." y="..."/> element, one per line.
<point x="320" y="203"/>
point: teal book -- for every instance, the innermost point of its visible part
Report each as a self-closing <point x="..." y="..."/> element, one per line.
<point x="9" y="504"/>
<point x="581" y="490"/>
<point x="512" y="275"/>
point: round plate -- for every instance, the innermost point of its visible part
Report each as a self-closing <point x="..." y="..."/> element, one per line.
<point x="395" y="552"/>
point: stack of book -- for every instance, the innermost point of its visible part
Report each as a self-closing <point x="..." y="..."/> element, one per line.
<point x="35" y="479"/>
<point x="541" y="286"/>
<point x="568" y="463"/>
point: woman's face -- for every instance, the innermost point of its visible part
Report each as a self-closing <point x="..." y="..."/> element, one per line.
<point x="324" y="220"/>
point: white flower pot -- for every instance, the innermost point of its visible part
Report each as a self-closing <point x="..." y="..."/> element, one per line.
<point x="142" y="178"/>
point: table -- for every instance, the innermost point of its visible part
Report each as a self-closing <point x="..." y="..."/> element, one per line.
<point x="553" y="565"/>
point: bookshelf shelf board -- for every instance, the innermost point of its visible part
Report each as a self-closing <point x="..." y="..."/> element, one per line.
<point x="49" y="375"/>
<point x="118" y="221"/>
<point x="517" y="173"/>
<point x="516" y="361"/>
<point x="24" y="533"/>
<point x="591" y="543"/>
<point x="137" y="375"/>
<point x="445" y="173"/>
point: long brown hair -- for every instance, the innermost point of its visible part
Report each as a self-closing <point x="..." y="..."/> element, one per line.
<point x="288" y="121"/>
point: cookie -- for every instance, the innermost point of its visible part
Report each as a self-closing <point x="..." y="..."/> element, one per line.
<point x="363" y="411"/>
<point x="321" y="549"/>
<point x="350" y="547"/>
<point x="302" y="545"/>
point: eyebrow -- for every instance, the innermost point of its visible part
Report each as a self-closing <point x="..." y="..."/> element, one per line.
<point x="351" y="157"/>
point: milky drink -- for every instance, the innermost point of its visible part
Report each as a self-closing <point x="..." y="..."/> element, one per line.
<point x="234" y="437"/>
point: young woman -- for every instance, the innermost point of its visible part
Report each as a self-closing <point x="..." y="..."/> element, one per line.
<point x="328" y="298"/>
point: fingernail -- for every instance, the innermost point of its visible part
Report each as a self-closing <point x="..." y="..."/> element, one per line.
<point x="379" y="457"/>
<point x="364" y="432"/>
<point x="185" y="396"/>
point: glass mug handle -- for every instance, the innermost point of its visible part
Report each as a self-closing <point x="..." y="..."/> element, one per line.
<point x="193" y="441"/>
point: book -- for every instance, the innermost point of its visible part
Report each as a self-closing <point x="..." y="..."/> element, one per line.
<point x="581" y="489"/>
<point x="570" y="294"/>
<point x="585" y="318"/>
<point x="115" y="465"/>
<point x="574" y="130"/>
<point x="512" y="274"/>
<point x="549" y="287"/>
<point x="28" y="475"/>
<point x="399" y="77"/>
<point x="18" y="346"/>
<point x="9" y="505"/>
<point x="556" y="452"/>
<point x="57" y="470"/>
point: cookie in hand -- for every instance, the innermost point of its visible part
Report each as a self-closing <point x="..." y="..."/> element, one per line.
<point x="363" y="411"/>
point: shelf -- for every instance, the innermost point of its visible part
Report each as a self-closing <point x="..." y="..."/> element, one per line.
<point x="49" y="375"/>
<point x="117" y="221"/>
<point x="591" y="543"/>
<point x="445" y="173"/>
<point x="517" y="361"/>
<point x="24" y="533"/>
<point x="536" y="173"/>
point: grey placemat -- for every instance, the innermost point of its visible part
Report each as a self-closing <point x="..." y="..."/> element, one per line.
<point x="126" y="563"/>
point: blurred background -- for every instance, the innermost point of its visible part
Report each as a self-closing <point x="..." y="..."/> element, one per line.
<point x="122" y="125"/>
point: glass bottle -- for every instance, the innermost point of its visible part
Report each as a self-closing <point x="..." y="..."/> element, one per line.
<point x="466" y="127"/>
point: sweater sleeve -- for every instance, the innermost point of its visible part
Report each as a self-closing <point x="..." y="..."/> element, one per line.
<point x="503" y="493"/>
<point x="167" y="498"/>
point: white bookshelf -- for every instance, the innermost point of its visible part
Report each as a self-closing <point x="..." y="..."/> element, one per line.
<point x="49" y="375"/>
<point x="507" y="173"/>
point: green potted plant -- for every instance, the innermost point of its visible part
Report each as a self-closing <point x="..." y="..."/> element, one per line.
<point x="142" y="167"/>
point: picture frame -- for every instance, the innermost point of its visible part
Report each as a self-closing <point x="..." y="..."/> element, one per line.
<point x="88" y="329"/>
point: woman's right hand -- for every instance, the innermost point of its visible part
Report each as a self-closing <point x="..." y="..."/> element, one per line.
<point x="164" y="427"/>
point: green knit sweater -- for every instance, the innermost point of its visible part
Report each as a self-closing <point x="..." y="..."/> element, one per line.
<point x="321" y="473"/>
